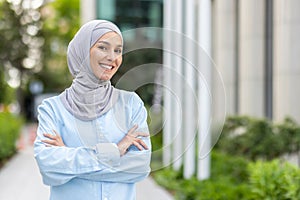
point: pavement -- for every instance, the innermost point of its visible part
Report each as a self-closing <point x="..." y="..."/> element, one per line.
<point x="20" y="178"/>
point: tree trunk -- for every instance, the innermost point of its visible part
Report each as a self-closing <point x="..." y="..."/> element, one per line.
<point x="20" y="96"/>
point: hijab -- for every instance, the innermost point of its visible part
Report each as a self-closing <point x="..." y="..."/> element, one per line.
<point x="88" y="97"/>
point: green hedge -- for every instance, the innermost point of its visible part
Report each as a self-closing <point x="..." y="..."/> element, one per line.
<point x="274" y="180"/>
<point x="228" y="178"/>
<point x="9" y="133"/>
<point x="257" y="138"/>
<point x="235" y="178"/>
<point x="244" y="164"/>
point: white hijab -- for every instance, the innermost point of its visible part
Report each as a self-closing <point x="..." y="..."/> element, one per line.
<point x="88" y="97"/>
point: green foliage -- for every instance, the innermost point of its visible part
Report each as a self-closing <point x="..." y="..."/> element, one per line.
<point x="233" y="168"/>
<point x="61" y="20"/>
<point x="234" y="175"/>
<point x="9" y="133"/>
<point x="259" y="138"/>
<point x="168" y="178"/>
<point x="3" y="86"/>
<point x="235" y="178"/>
<point x="7" y="93"/>
<point x="13" y="50"/>
<point x="20" y="44"/>
<point x="274" y="180"/>
<point x="223" y="189"/>
<point x="228" y="180"/>
<point x="289" y="134"/>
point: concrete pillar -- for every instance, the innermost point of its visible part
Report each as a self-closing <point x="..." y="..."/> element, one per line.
<point x="286" y="59"/>
<point x="167" y="78"/>
<point x="251" y="60"/>
<point x="204" y="87"/>
<point x="176" y="82"/>
<point x="87" y="10"/>
<point x="225" y="52"/>
<point x="190" y="106"/>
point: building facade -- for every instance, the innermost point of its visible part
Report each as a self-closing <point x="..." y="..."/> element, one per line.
<point x="237" y="57"/>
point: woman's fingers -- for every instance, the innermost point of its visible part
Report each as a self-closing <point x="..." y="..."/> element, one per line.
<point x="135" y="143"/>
<point x="143" y="134"/>
<point x="55" y="140"/>
<point x="132" y="130"/>
<point x="50" y="142"/>
<point x="140" y="144"/>
<point x="50" y="136"/>
<point x="131" y="139"/>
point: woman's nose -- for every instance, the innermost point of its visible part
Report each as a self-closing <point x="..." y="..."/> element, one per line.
<point x="111" y="56"/>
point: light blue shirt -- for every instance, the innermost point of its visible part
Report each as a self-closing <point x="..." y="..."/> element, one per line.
<point x="90" y="166"/>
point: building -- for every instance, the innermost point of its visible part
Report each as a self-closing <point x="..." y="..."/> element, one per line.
<point x="244" y="53"/>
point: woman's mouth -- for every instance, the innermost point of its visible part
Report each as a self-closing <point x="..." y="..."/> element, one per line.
<point x="109" y="67"/>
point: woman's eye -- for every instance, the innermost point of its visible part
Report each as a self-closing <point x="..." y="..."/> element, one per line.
<point x="119" y="51"/>
<point x="102" y="48"/>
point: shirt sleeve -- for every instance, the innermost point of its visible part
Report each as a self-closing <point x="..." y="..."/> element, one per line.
<point x="59" y="165"/>
<point x="135" y="164"/>
<point x="139" y="114"/>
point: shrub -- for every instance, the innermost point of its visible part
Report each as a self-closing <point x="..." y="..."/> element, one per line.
<point x="228" y="178"/>
<point x="274" y="180"/>
<point x="257" y="138"/>
<point x="289" y="134"/>
<point x="168" y="178"/>
<point x="235" y="178"/>
<point x="9" y="132"/>
<point x="235" y="174"/>
<point x="222" y="189"/>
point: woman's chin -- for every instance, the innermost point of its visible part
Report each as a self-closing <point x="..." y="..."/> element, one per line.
<point x="104" y="78"/>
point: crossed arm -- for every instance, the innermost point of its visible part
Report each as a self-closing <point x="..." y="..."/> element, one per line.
<point x="59" y="164"/>
<point x="131" y="138"/>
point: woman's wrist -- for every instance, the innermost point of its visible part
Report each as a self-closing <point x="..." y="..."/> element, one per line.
<point x="122" y="148"/>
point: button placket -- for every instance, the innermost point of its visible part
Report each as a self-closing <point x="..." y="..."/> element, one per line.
<point x="100" y="135"/>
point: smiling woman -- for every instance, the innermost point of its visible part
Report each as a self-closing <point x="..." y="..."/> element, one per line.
<point x="106" y="55"/>
<point x="93" y="139"/>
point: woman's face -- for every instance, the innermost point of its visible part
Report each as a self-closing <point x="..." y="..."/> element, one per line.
<point x="106" y="56"/>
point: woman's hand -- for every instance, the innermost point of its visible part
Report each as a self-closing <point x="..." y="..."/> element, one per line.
<point x="55" y="140"/>
<point x="131" y="139"/>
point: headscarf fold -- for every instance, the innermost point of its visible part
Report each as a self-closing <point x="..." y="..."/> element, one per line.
<point x="88" y="97"/>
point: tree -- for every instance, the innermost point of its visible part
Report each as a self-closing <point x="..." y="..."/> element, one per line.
<point x="34" y="36"/>
<point x="60" y="23"/>
<point x="20" y="42"/>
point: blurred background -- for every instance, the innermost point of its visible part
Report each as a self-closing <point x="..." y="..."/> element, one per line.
<point x="252" y="48"/>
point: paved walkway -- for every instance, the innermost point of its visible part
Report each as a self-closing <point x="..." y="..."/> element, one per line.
<point x="20" y="178"/>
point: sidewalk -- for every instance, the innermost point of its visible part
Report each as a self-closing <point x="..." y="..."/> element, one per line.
<point x="20" y="178"/>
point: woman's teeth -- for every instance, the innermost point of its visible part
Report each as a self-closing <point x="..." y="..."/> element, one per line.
<point x="106" y="66"/>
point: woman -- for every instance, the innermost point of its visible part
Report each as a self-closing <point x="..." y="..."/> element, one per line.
<point x="93" y="140"/>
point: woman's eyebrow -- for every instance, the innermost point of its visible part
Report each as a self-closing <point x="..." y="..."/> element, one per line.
<point x="107" y="43"/>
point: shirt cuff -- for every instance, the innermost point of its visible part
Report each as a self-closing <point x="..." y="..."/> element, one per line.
<point x="108" y="153"/>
